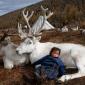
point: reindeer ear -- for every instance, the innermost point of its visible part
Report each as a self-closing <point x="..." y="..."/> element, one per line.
<point x="38" y="38"/>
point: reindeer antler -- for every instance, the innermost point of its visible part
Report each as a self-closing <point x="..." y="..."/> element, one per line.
<point x="44" y="10"/>
<point x="50" y="14"/>
<point x="36" y="29"/>
<point x="20" y="28"/>
<point x="27" y="18"/>
<point x="21" y="33"/>
<point x="38" y="26"/>
<point x="44" y="18"/>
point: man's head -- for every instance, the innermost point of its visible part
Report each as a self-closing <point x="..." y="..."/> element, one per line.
<point x="55" y="52"/>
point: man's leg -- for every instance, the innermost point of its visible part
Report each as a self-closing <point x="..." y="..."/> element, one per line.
<point x="61" y="71"/>
<point x="37" y="72"/>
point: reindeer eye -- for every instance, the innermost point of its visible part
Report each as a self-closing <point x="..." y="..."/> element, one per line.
<point x="29" y="42"/>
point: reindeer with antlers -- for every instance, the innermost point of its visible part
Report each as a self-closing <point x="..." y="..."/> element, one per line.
<point x="73" y="55"/>
<point x="11" y="57"/>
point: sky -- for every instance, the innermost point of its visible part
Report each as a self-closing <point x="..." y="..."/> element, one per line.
<point x="11" y="5"/>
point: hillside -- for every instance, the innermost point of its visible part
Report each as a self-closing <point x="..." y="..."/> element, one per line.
<point x="65" y="12"/>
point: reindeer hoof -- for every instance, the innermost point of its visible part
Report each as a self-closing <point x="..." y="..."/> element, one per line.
<point x="64" y="78"/>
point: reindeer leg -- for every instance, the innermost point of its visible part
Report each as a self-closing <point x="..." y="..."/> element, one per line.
<point x="72" y="76"/>
<point x="8" y="64"/>
<point x="80" y="73"/>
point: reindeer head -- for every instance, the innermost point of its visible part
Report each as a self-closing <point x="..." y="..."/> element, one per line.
<point x="34" y="35"/>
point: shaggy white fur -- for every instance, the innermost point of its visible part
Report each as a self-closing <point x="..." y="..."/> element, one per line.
<point x="11" y="58"/>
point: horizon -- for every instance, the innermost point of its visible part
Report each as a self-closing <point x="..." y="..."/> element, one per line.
<point x="7" y="6"/>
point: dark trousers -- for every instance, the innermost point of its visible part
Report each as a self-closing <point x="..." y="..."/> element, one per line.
<point x="48" y="72"/>
<point x="61" y="71"/>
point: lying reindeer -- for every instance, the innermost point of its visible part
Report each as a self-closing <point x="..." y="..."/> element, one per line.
<point x="11" y="57"/>
<point x="73" y="55"/>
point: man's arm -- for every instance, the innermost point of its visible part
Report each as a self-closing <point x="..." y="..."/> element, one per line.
<point x="40" y="61"/>
<point x="59" y="61"/>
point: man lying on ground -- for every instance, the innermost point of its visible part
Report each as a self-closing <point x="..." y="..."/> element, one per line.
<point x="51" y="65"/>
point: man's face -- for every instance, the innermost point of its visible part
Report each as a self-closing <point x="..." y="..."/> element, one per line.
<point x="55" y="53"/>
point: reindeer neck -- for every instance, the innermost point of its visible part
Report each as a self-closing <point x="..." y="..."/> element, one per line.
<point x="35" y="41"/>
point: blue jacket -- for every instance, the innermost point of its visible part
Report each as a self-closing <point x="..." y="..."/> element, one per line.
<point x="50" y="64"/>
<point x="49" y="61"/>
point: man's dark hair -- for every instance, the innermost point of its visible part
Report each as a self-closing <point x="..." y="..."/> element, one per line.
<point x="55" y="49"/>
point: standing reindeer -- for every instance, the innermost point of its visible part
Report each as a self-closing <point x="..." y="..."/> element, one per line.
<point x="73" y="55"/>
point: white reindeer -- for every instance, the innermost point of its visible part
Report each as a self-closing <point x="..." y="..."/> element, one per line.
<point x="73" y="55"/>
<point x="11" y="58"/>
<point x="75" y="28"/>
<point x="64" y="29"/>
<point x="82" y="31"/>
